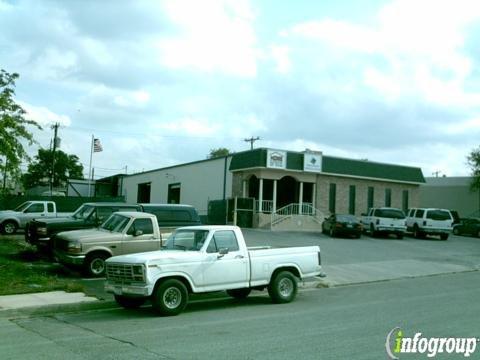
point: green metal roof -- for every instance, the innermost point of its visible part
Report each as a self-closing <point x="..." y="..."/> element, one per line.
<point x="332" y="165"/>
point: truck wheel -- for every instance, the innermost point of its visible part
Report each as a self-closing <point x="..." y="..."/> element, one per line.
<point x="456" y="231"/>
<point x="417" y="234"/>
<point x="170" y="297"/>
<point x="443" y="236"/>
<point x="399" y="236"/>
<point x="128" y="302"/>
<point x="9" y="227"/>
<point x="95" y="264"/>
<point x="283" y="287"/>
<point x="239" y="293"/>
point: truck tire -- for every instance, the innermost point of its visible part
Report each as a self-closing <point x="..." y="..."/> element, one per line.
<point x="456" y="231"/>
<point x="417" y="234"/>
<point x="128" y="302"/>
<point x="170" y="297"/>
<point x="239" y="293"/>
<point x="443" y="236"/>
<point x="283" y="287"/>
<point x="9" y="227"/>
<point x="95" y="264"/>
<point x="399" y="236"/>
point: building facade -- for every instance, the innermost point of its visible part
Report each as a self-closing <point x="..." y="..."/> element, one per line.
<point x="302" y="183"/>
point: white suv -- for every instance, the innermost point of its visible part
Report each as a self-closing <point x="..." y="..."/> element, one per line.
<point x="429" y="221"/>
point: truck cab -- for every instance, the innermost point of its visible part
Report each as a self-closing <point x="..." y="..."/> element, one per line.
<point x="12" y="220"/>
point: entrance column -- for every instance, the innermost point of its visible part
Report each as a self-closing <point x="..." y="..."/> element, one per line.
<point x="274" y="210"/>
<point x="244" y="188"/>
<point x="260" y="195"/>
<point x="300" y="199"/>
<point x="314" y="195"/>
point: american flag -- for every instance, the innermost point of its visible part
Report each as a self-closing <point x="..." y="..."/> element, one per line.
<point x="97" y="147"/>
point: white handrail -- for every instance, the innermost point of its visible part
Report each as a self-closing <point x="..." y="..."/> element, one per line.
<point x="295" y="209"/>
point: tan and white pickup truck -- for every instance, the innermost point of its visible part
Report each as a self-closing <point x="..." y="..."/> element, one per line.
<point x="200" y="259"/>
<point x="122" y="233"/>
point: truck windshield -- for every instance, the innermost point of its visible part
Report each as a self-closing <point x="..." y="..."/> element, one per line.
<point x="83" y="212"/>
<point x="22" y="207"/>
<point x="186" y="239"/>
<point x="115" y="223"/>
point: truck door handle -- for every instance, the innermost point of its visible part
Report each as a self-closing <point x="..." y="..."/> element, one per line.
<point x="113" y="246"/>
<point x="239" y="257"/>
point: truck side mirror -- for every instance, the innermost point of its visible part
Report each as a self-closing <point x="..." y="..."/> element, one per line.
<point x="222" y="252"/>
<point x="138" y="233"/>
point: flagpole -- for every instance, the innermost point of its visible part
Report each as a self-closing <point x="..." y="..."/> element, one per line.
<point x="90" y="169"/>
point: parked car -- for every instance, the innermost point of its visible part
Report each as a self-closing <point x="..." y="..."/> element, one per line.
<point x="12" y="220"/>
<point x="342" y="224"/>
<point x="122" y="233"/>
<point x="467" y="226"/>
<point x="429" y="221"/>
<point x="200" y="259"/>
<point x="89" y="215"/>
<point x="384" y="220"/>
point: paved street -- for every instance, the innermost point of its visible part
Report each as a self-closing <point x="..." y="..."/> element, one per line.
<point x="349" y="322"/>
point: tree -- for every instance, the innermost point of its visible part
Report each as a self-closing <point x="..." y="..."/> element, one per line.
<point x="473" y="160"/>
<point x="218" y="153"/>
<point x="13" y="129"/>
<point x="65" y="167"/>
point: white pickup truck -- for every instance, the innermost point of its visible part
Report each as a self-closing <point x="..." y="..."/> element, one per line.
<point x="12" y="220"/>
<point x="384" y="220"/>
<point x="199" y="259"/>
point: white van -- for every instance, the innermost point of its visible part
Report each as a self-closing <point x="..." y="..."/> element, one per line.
<point x="429" y="221"/>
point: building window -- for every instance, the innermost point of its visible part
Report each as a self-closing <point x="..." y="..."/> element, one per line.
<point x="351" y="202"/>
<point x="388" y="197"/>
<point x="174" y="193"/>
<point x="332" y="198"/>
<point x="370" y="198"/>
<point x="405" y="200"/>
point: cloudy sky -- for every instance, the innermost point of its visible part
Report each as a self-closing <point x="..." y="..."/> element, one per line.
<point x="163" y="82"/>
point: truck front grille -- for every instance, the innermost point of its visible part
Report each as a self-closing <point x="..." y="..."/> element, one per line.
<point x="125" y="272"/>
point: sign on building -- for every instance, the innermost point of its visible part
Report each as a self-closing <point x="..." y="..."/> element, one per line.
<point x="276" y="159"/>
<point x="312" y="161"/>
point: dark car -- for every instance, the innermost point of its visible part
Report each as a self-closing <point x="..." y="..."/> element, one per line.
<point x="467" y="226"/>
<point x="342" y="224"/>
<point x="89" y="215"/>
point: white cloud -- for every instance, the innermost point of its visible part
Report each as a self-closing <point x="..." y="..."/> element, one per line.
<point x="421" y="44"/>
<point x="280" y="54"/>
<point x="44" y="116"/>
<point x="189" y="126"/>
<point x="215" y="35"/>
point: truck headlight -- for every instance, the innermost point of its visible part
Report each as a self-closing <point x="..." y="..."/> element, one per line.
<point x="42" y="231"/>
<point x="138" y="272"/>
<point x="74" y="247"/>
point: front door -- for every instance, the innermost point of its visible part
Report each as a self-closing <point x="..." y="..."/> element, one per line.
<point x="134" y="243"/>
<point x="224" y="271"/>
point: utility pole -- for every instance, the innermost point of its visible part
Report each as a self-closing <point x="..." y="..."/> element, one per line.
<point x="54" y="146"/>
<point x="251" y="141"/>
<point x="436" y="173"/>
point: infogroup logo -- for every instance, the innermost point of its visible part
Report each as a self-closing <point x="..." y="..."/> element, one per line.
<point x="397" y="343"/>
